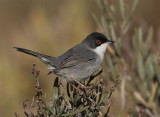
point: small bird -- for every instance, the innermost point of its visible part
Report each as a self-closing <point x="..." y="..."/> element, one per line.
<point x="79" y="62"/>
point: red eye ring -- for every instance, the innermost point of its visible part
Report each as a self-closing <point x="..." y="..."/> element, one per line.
<point x="98" y="42"/>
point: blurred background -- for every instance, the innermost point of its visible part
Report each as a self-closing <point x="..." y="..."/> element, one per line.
<point x="51" y="27"/>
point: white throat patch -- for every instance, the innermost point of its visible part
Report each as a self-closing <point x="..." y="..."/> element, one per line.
<point x="100" y="50"/>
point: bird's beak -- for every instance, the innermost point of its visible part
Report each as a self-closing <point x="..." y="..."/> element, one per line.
<point x="110" y="41"/>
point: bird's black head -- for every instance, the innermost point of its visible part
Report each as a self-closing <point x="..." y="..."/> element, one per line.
<point x="95" y="40"/>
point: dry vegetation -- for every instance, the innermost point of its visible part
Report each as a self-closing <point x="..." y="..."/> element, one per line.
<point x="128" y="85"/>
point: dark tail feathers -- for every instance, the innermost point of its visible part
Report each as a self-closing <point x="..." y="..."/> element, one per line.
<point x="50" y="61"/>
<point x="36" y="54"/>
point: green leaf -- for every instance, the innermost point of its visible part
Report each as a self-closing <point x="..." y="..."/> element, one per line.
<point x="68" y="92"/>
<point x="125" y="22"/>
<point x="122" y="9"/>
<point x="140" y="66"/>
<point x="113" y="34"/>
<point x="95" y="20"/>
<point x="76" y="111"/>
<point x="55" y="89"/>
<point x="135" y="3"/>
<point x="76" y="98"/>
<point x="62" y="106"/>
<point x="52" y="109"/>
<point x="139" y="40"/>
<point x="104" y="25"/>
<point x="134" y="41"/>
<point x="149" y="67"/>
<point x="105" y="98"/>
<point x="64" y="90"/>
<point x="99" y="2"/>
<point x="100" y="95"/>
<point x="148" y="42"/>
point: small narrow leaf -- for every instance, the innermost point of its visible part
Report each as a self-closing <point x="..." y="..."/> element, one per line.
<point x="140" y="66"/>
<point x="122" y="9"/>
<point x="76" y="111"/>
<point x="64" y="90"/>
<point x="148" y="42"/>
<point x="95" y="19"/>
<point x="104" y="25"/>
<point x="139" y="40"/>
<point x="125" y="22"/>
<point x="55" y="89"/>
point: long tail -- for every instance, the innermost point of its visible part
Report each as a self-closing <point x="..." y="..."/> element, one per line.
<point x="36" y="54"/>
<point x="50" y="61"/>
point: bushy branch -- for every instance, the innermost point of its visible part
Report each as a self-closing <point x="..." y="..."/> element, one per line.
<point x="71" y="100"/>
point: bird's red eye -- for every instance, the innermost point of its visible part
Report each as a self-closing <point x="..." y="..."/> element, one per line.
<point x="98" y="42"/>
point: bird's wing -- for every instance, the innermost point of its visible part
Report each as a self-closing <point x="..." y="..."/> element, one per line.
<point x="76" y="56"/>
<point x="71" y="61"/>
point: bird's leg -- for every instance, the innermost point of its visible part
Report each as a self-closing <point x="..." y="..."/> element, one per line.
<point x="83" y="86"/>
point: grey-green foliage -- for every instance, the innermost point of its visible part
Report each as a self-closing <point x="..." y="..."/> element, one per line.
<point x="142" y="51"/>
<point x="134" y="60"/>
<point x="72" y="100"/>
<point x="109" y="25"/>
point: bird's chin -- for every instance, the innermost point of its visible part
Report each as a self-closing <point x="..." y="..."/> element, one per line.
<point x="100" y="50"/>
